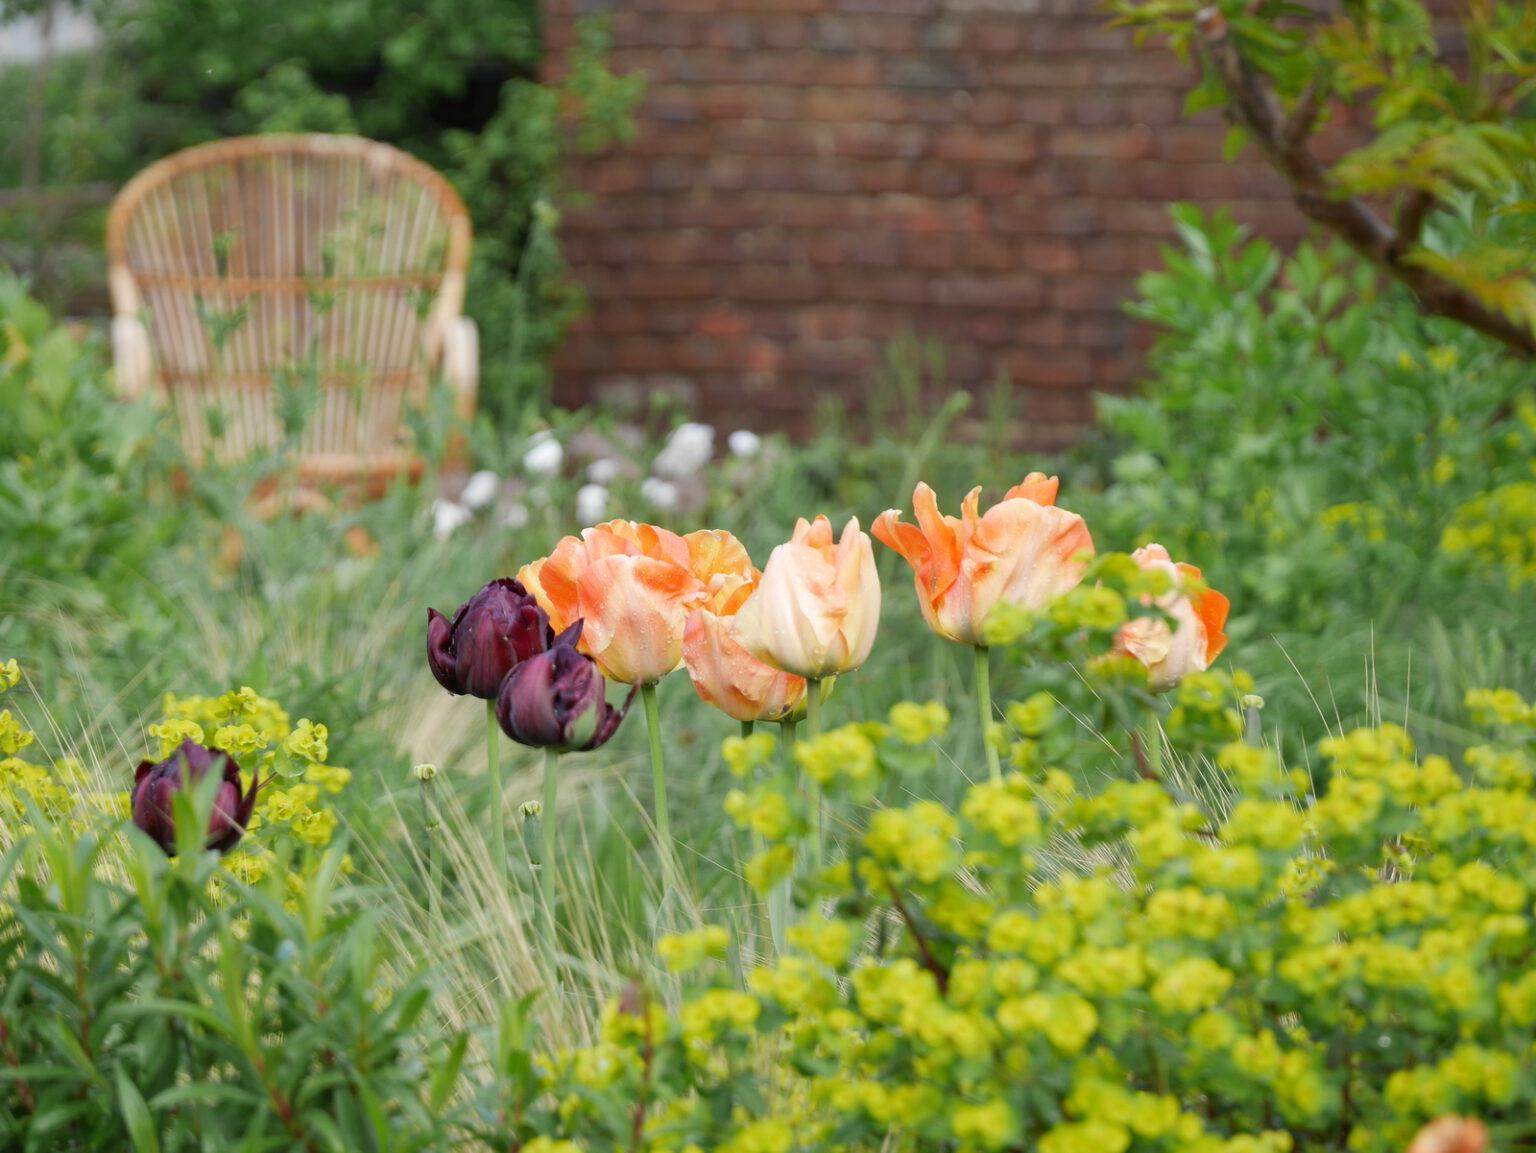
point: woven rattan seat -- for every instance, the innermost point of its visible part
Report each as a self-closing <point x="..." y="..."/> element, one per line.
<point x="308" y="277"/>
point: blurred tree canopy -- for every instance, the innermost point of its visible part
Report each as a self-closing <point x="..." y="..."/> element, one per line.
<point x="1440" y="193"/>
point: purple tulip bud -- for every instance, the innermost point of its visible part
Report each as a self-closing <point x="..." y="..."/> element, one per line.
<point x="494" y="631"/>
<point x="557" y="699"/>
<point x="155" y="783"/>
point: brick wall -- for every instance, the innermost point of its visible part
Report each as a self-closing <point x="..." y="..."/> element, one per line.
<point x="812" y="178"/>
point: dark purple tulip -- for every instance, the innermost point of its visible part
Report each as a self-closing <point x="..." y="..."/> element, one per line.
<point x="494" y="631"/>
<point x="154" y="783"/>
<point x="557" y="699"/>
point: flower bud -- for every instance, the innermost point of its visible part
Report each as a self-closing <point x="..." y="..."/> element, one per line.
<point x="498" y="627"/>
<point x="555" y="699"/>
<point x="155" y="783"/>
<point x="424" y="772"/>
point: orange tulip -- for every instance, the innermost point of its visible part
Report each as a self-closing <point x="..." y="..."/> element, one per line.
<point x="1022" y="551"/>
<point x="634" y="586"/>
<point x="817" y="607"/>
<point x="727" y="676"/>
<point x="1194" y="641"/>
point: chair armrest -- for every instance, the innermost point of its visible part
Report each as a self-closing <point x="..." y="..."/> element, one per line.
<point x="131" y="359"/>
<point x="461" y="362"/>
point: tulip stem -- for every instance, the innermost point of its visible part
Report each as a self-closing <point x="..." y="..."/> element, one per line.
<point x="493" y="761"/>
<point x="659" y="780"/>
<point x="812" y="786"/>
<point x="778" y="896"/>
<point x="547" y="866"/>
<point x="984" y="709"/>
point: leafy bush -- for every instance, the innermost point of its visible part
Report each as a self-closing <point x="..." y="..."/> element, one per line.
<point x="71" y="465"/>
<point x="1084" y="957"/>
<point x="1311" y="438"/>
<point x="193" y="1015"/>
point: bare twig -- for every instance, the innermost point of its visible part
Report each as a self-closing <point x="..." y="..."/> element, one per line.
<point x="1257" y="111"/>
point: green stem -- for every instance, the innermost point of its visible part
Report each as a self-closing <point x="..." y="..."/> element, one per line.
<point x="984" y="708"/>
<point x="432" y="826"/>
<point x="493" y="760"/>
<point x="659" y="780"/>
<point x="812" y="786"/>
<point x="547" y="866"/>
<point x="778" y="896"/>
<point x="746" y="729"/>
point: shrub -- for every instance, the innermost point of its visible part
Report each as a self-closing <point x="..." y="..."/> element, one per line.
<point x="1325" y="450"/>
<point x="1087" y="957"/>
<point x="71" y="465"/>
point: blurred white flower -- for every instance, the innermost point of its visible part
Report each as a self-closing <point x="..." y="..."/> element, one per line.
<point x="660" y="494"/>
<point x="604" y="470"/>
<point x="447" y="517"/>
<point x="591" y="504"/>
<point x="544" y="455"/>
<point x="687" y="450"/>
<point x="516" y="515"/>
<point x="480" y="490"/>
<point x="744" y="443"/>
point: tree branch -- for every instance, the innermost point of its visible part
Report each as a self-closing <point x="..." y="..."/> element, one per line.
<point x="1410" y="218"/>
<point x="1258" y="112"/>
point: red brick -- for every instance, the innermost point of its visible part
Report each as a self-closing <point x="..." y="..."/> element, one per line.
<point x="937" y="251"/>
<point x="679" y="283"/>
<point x="722" y="320"/>
<point x="1002" y="145"/>
<point x="998" y="182"/>
<point x="995" y="34"/>
<point x="1041" y="328"/>
<point x="1049" y="367"/>
<point x="776" y="283"/>
<point x="1119" y="254"/>
<point x="1088" y="292"/>
<point x="1132" y="143"/>
<point x="1056" y="405"/>
<point x="1049" y="254"/>
<point x="1023" y="290"/>
<point x="830" y="322"/>
<point x="1101" y="332"/>
<point x="897" y="286"/>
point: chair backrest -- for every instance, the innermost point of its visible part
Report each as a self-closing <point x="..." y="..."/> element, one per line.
<point x="292" y="284"/>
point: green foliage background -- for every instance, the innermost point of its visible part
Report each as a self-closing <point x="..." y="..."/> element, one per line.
<point x="454" y="83"/>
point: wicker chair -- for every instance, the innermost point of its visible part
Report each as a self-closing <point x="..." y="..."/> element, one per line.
<point x="304" y="287"/>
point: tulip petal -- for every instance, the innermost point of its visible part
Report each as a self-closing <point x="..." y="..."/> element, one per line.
<point x="721" y="562"/>
<point x="726" y="675"/>
<point x="440" y="658"/>
<point x="943" y="536"/>
<point x="1021" y="551"/>
<point x="815" y="611"/>
<point x="1024" y="554"/>
<point x="1037" y="487"/>
<point x="635" y="608"/>
<point x="1211" y="607"/>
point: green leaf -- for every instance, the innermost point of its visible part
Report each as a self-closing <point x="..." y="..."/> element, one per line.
<point x="141" y="1125"/>
<point x="205" y="1093"/>
<point x="445" y="1078"/>
<point x="1232" y="144"/>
